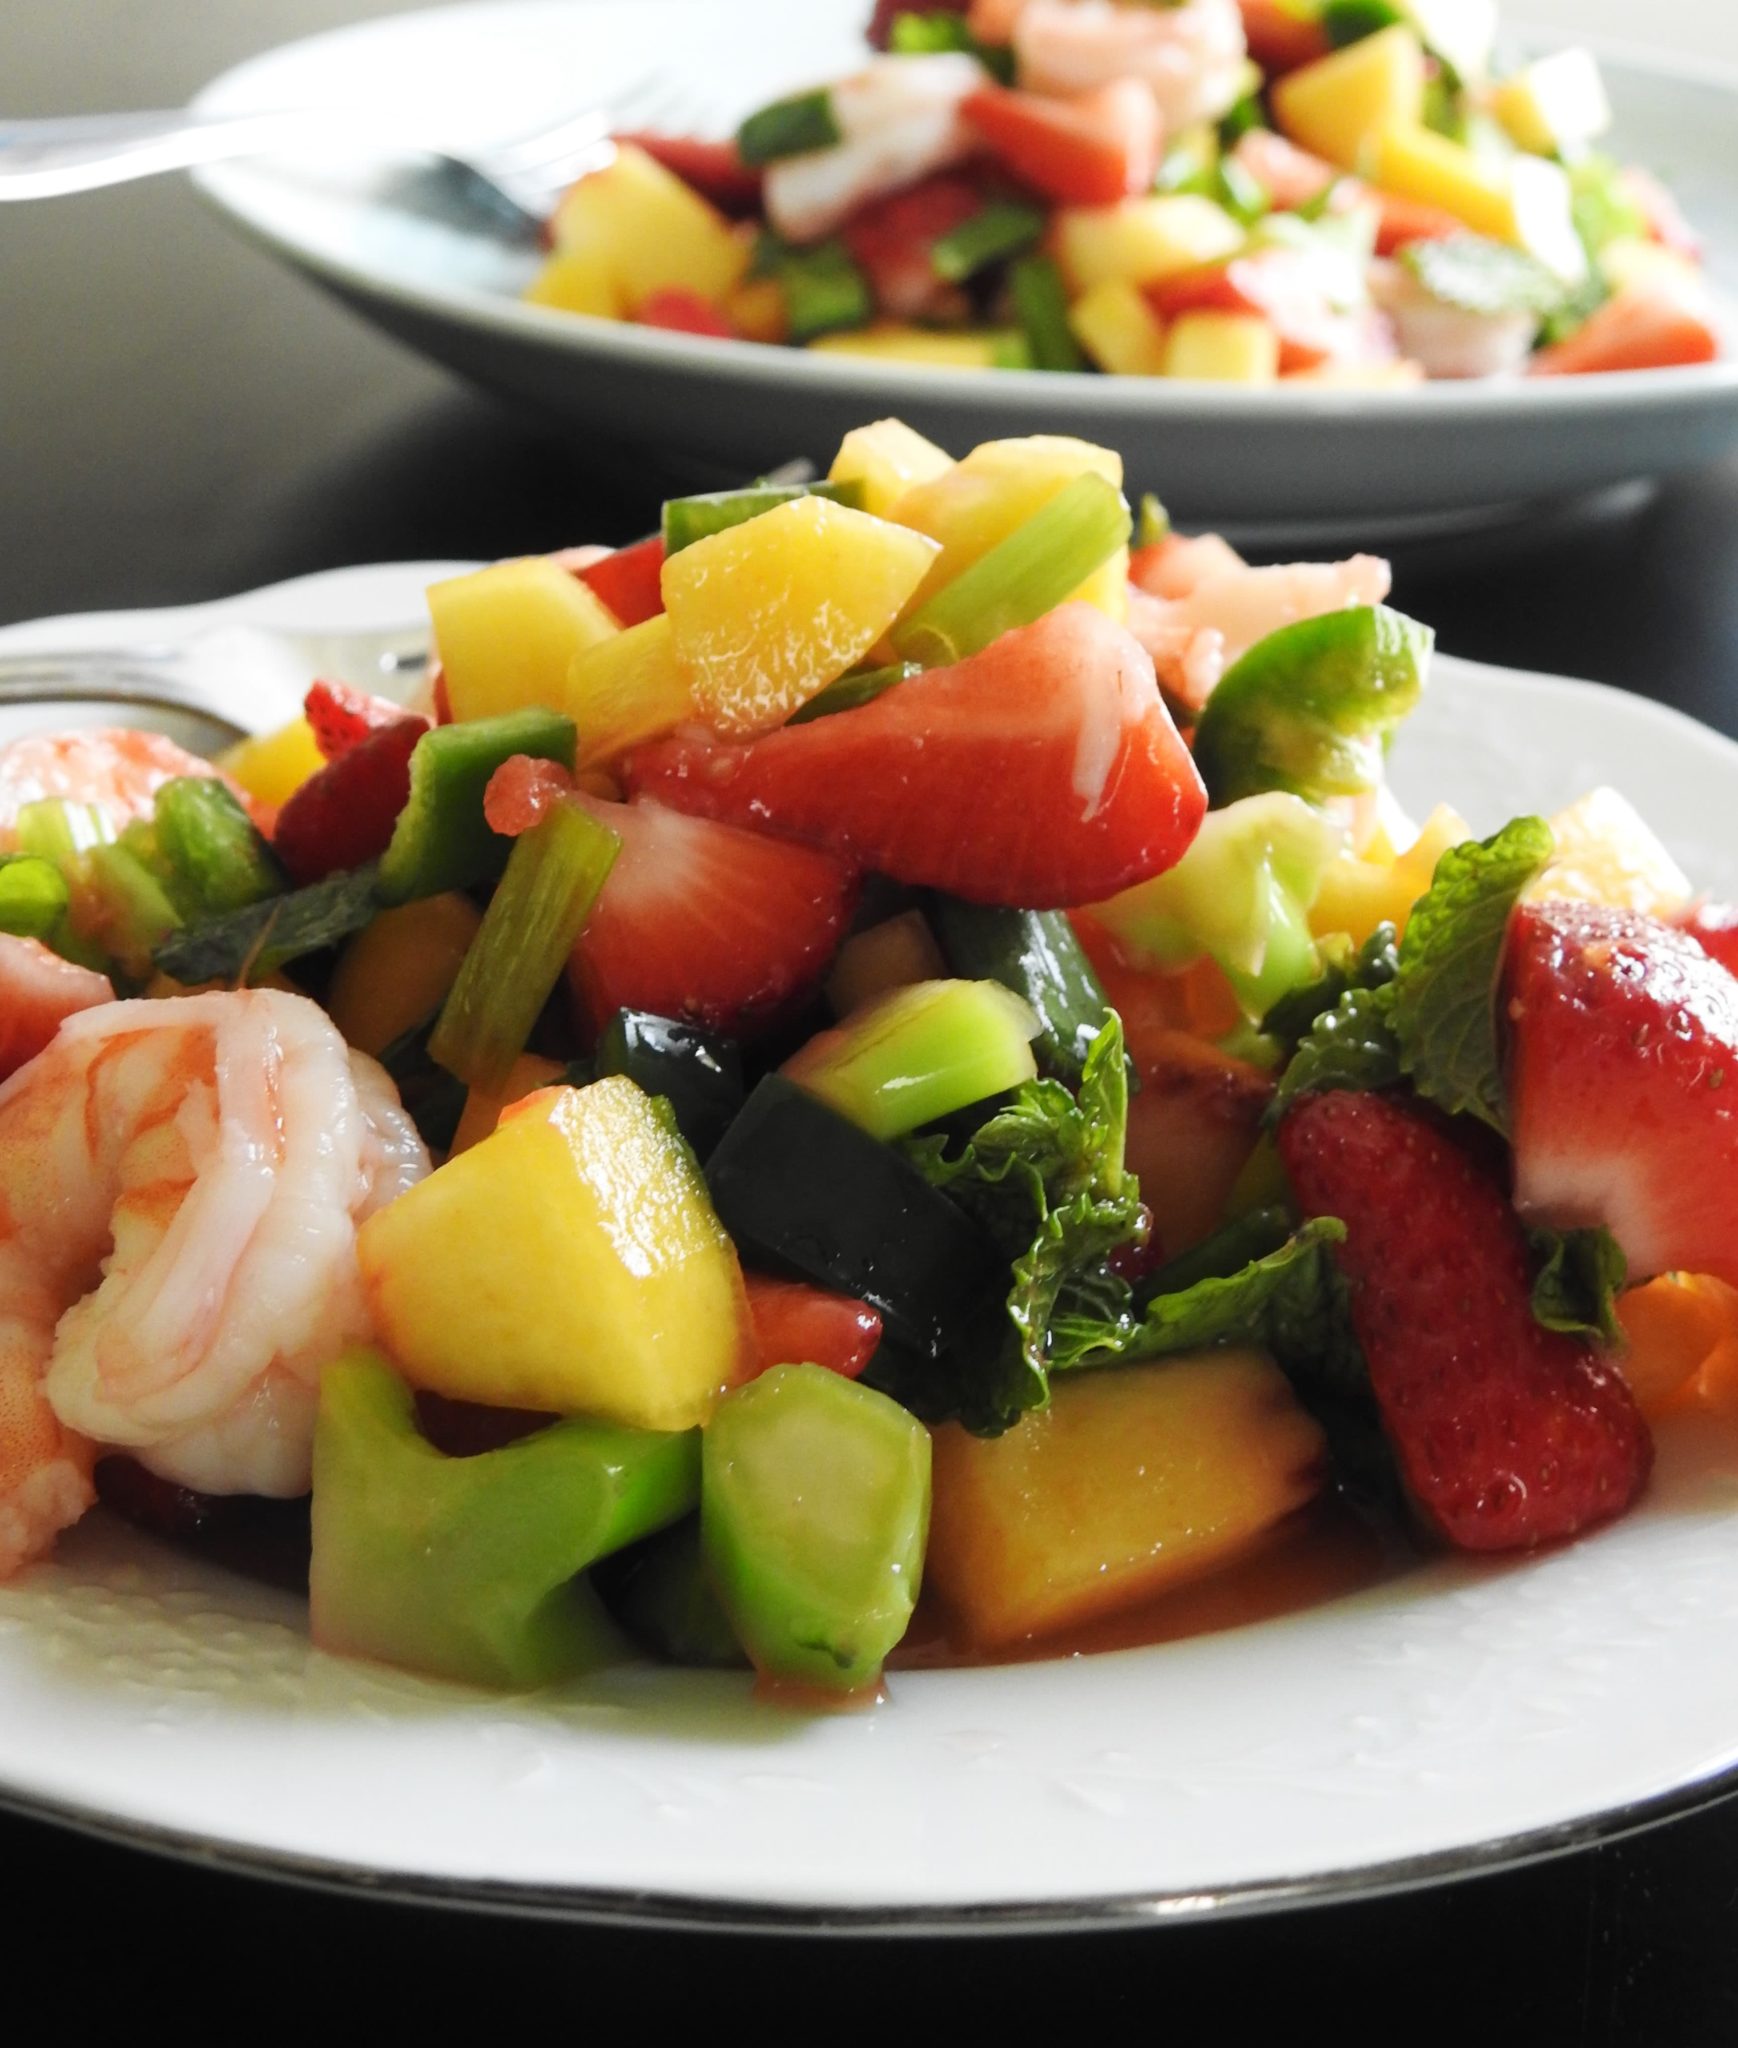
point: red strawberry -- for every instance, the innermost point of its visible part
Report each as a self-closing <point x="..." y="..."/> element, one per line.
<point x="893" y="238"/>
<point x="705" y="921"/>
<point x="343" y="718"/>
<point x="795" y="1324"/>
<point x="38" y="992"/>
<point x="1088" y="149"/>
<point x="629" y="579"/>
<point x="1507" y="1435"/>
<point x="344" y="815"/>
<point x="713" y="169"/>
<point x="1623" y="1084"/>
<point x="682" y="311"/>
<point x="1714" y="927"/>
<point x="1043" y="772"/>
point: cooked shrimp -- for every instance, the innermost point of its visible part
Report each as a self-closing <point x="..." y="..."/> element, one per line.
<point x="1190" y="58"/>
<point x="180" y="1185"/>
<point x="1451" y="341"/>
<point x="117" y="772"/>
<point x="38" y="991"/>
<point x="1196" y="606"/>
<point x="898" y="120"/>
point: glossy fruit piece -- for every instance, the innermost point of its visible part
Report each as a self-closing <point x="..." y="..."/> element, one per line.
<point x="344" y="816"/>
<point x="1142" y="241"/>
<point x="894" y="954"/>
<point x="570" y="1263"/>
<point x="1335" y="104"/>
<point x="38" y="992"/>
<point x="1622" y="1043"/>
<point x="1119" y="330"/>
<point x="697" y="1073"/>
<point x="1635" y="330"/>
<point x="627" y="579"/>
<point x="885" y="460"/>
<point x="1606" y="852"/>
<point x="469" y="1568"/>
<point x="706" y="922"/>
<point x="1083" y="150"/>
<point x="1131" y="1482"/>
<point x="892" y="241"/>
<point x="484" y="1107"/>
<point x="578" y="281"/>
<point x="649" y="228"/>
<point x="713" y="169"/>
<point x="273" y="767"/>
<point x="1672" y="1326"/>
<point x="1506" y="1434"/>
<point x="814" y="1511"/>
<point x="395" y="975"/>
<point x="508" y="634"/>
<point x="1043" y="772"/>
<point x="627" y="689"/>
<point x="803" y="1191"/>
<point x="767" y="613"/>
<point x="1521" y="199"/>
<point x="1284" y="289"/>
<point x="678" y="310"/>
<point x="1358" y="893"/>
<point x="341" y="717"/>
<point x="1222" y="348"/>
<point x="1192" y="1129"/>
<point x="1714" y="927"/>
<point x="795" y="1323"/>
<point x="920" y="1053"/>
<point x="1281" y="37"/>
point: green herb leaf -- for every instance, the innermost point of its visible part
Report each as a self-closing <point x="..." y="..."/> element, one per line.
<point x="1372" y="965"/>
<point x="1001" y="230"/>
<point x="1353" y="1045"/>
<point x="1478" y="275"/>
<point x="1041" y="306"/>
<point x="1577" y="1285"/>
<point x="1444" y="992"/>
<point x="267" y="934"/>
<point x="928" y="35"/>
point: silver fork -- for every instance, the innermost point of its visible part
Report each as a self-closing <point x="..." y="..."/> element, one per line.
<point x="43" y="159"/>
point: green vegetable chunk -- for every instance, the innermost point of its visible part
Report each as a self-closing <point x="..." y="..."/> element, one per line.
<point x="1307" y="709"/>
<point x="824" y="290"/>
<point x="696" y="1072"/>
<point x="214" y="857"/>
<point x="1001" y="230"/>
<point x="281" y="928"/>
<point x="442" y="840"/>
<point x="660" y="1594"/>
<point x="553" y="877"/>
<point x="1022" y="577"/>
<point x="923" y="35"/>
<point x="814" y="1514"/>
<point x="686" y="520"/>
<point x="33" y="896"/>
<point x="1034" y="953"/>
<point x="1041" y="306"/>
<point x="468" y="1568"/>
<point x="789" y="127"/>
<point x="918" y="1053"/>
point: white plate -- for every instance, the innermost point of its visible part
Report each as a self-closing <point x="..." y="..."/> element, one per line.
<point x="1288" y="458"/>
<point x="1459" y="1718"/>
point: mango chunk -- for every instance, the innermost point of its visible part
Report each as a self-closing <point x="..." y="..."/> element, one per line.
<point x="1119" y="330"/>
<point x="1356" y="895"/>
<point x="627" y="689"/>
<point x="646" y="229"/>
<point x="1555" y="104"/>
<point x="507" y="634"/>
<point x="274" y="766"/>
<point x="1132" y="1481"/>
<point x="1139" y="241"/>
<point x="1222" y="348"/>
<point x="956" y="348"/>
<point x="571" y="1262"/>
<point x="885" y="459"/>
<point x="1524" y="199"/>
<point x="1333" y="105"/>
<point x="1608" y="853"/>
<point x="766" y="614"/>
<point x="484" y="1106"/>
<point x="395" y="974"/>
<point x="577" y="281"/>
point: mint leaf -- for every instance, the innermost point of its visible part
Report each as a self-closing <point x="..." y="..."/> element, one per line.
<point x="1577" y="1285"/>
<point x="1372" y="965"/>
<point x="1350" y="1046"/>
<point x="1443" y="1005"/>
<point x="1478" y="275"/>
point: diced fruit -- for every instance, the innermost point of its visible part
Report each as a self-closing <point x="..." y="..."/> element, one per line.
<point x="1672" y="1326"/>
<point x="758" y="309"/>
<point x="273" y="767"/>
<point x="1192" y="1129"/>
<point x="341" y="717"/>
<point x="1336" y="104"/>
<point x="395" y="975"/>
<point x="1043" y="772"/>
<point x="38" y="992"/>
<point x="882" y="957"/>
<point x="680" y="311"/>
<point x="1523" y="199"/>
<point x="1462" y="33"/>
<point x="344" y="816"/>
<point x="1036" y="954"/>
<point x="893" y="238"/>
<point x="469" y="1568"/>
<point x="1222" y="348"/>
<point x="578" y="281"/>
<point x="885" y="459"/>
<point x="714" y="169"/>
<point x="648" y="229"/>
<point x="442" y="838"/>
<point x="804" y="1191"/>
<point x="936" y="348"/>
<point x="484" y="1106"/>
<point x="626" y="689"/>
<point x="796" y="1324"/>
<point x="1607" y="853"/>
<point x="1714" y="927"/>
<point x="1085" y="150"/>
<point x="1555" y="105"/>
<point x="1356" y="895"/>
<point x="814" y="1511"/>
<point x="1508" y="1435"/>
<point x="919" y="1053"/>
<point x="1281" y="36"/>
<point x="1622" y="1037"/>
<point x="767" y="613"/>
<point x="660" y="1593"/>
<point x="1139" y="241"/>
<point x="628" y="579"/>
<point x="707" y="922"/>
<point x="697" y="1074"/>
<point x="1132" y="1481"/>
<point x="1119" y="330"/>
<point x="508" y="634"/>
<point x="1241" y="894"/>
<point x="1636" y="330"/>
<point x="570" y="1263"/>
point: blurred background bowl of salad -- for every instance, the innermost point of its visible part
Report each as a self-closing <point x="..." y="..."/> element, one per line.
<point x="1275" y="461"/>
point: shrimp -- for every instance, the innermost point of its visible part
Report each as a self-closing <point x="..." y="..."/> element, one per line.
<point x="1452" y="341"/>
<point x="38" y="991"/>
<point x="1190" y="58"/>
<point x="116" y="771"/>
<point x="1196" y="606"/>
<point x="180" y="1186"/>
<point x="898" y="119"/>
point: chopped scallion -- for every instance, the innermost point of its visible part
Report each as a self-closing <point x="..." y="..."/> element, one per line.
<point x="862" y="687"/>
<point x="33" y="896"/>
<point x="1001" y="230"/>
<point x="210" y="854"/>
<point x="687" y="520"/>
<point x="1041" y="303"/>
<point x="789" y="127"/>
<point x="824" y="290"/>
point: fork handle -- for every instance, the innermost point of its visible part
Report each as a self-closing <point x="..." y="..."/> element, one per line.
<point x="43" y="159"/>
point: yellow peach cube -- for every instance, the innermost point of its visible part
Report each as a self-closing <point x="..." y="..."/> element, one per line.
<point x="507" y="634"/>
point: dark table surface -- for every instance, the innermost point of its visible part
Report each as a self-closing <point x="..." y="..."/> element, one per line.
<point x="180" y="419"/>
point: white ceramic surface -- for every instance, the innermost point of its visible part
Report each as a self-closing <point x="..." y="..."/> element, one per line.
<point x="1291" y="458"/>
<point x="1455" y="1718"/>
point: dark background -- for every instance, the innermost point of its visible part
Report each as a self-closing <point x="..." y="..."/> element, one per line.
<point x="180" y="419"/>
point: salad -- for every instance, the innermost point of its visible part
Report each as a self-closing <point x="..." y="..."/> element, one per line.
<point x="887" y="1044"/>
<point x="1346" y="192"/>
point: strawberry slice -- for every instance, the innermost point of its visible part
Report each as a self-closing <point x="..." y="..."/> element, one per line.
<point x="1084" y="150"/>
<point x="1714" y="927"/>
<point x="682" y="311"/>
<point x="713" y="169"/>
<point x="1622" y="1062"/>
<point x="706" y="922"/>
<point x="342" y="717"/>
<point x="1507" y="1435"/>
<point x="1285" y="287"/>
<point x="892" y="240"/>
<point x="38" y="992"/>
<point x="1043" y="772"/>
<point x="795" y="1324"/>
<point x="629" y="580"/>
<point x="1282" y="37"/>
<point x="344" y="815"/>
<point x="1643" y="327"/>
